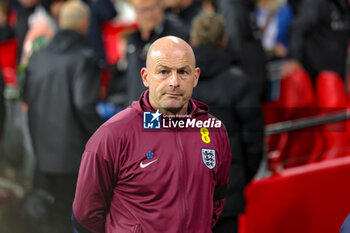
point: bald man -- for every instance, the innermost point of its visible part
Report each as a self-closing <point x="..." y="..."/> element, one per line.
<point x="162" y="164"/>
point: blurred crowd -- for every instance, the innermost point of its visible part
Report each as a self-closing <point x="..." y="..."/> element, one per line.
<point x="67" y="66"/>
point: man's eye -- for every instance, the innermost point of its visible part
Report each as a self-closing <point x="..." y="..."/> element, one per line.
<point x="182" y="72"/>
<point x="163" y="72"/>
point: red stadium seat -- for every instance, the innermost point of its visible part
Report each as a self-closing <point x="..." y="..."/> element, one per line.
<point x="331" y="97"/>
<point x="8" y="61"/>
<point x="312" y="198"/>
<point x="297" y="100"/>
<point x="297" y="95"/>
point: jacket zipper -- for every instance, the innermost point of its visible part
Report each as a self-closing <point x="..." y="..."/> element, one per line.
<point x="182" y="180"/>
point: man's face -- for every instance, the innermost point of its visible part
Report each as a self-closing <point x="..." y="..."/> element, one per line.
<point x="149" y="14"/>
<point x="170" y="76"/>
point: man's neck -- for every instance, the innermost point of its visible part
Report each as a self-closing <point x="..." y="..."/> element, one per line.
<point x="182" y="111"/>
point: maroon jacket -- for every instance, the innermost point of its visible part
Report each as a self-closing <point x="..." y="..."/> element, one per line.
<point x="133" y="179"/>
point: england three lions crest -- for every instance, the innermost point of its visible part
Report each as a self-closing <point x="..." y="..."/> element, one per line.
<point x="209" y="159"/>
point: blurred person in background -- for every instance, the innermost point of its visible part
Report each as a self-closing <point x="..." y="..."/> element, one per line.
<point x="210" y="5"/>
<point x="101" y="11"/>
<point x="6" y="32"/>
<point x="23" y="14"/>
<point x="319" y="38"/>
<point x="274" y="18"/>
<point x="152" y="24"/>
<point x="61" y="89"/>
<point x="245" y="41"/>
<point x="294" y="4"/>
<point x="42" y="27"/>
<point x="226" y="90"/>
<point x="186" y="10"/>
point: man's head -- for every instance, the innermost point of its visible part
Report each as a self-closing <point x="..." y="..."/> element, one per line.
<point x="75" y="15"/>
<point x="208" y="29"/>
<point x="149" y="14"/>
<point x="170" y="75"/>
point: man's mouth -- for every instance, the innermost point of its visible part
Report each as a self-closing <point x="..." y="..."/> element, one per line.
<point x="173" y="94"/>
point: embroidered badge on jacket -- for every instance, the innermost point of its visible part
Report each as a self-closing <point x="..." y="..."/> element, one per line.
<point x="208" y="156"/>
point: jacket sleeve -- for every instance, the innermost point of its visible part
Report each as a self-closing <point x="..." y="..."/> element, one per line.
<point x="307" y="18"/>
<point x="222" y="177"/>
<point x="97" y="176"/>
<point x="86" y="87"/>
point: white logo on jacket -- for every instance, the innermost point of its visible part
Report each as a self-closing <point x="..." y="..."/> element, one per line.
<point x="143" y="165"/>
<point x="208" y="157"/>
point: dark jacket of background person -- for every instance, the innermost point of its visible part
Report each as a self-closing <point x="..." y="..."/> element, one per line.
<point x="61" y="89"/>
<point x="245" y="40"/>
<point x="187" y="14"/>
<point x="101" y="12"/>
<point x="6" y="33"/>
<point x="2" y="105"/>
<point x="225" y="89"/>
<point x="320" y="35"/>
<point x="295" y="4"/>
<point x="137" y="51"/>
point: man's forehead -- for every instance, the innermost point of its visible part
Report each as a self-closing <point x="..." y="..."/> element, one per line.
<point x="171" y="58"/>
<point x="172" y="61"/>
<point x="173" y="66"/>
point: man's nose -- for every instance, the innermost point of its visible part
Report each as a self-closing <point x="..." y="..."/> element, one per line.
<point x="174" y="79"/>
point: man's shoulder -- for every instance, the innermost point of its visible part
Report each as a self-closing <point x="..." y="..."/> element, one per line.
<point x="114" y="130"/>
<point x="79" y="53"/>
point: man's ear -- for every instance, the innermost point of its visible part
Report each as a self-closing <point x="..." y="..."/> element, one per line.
<point x="144" y="76"/>
<point x="197" y="72"/>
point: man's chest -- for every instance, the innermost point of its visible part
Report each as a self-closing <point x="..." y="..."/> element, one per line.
<point x="154" y="162"/>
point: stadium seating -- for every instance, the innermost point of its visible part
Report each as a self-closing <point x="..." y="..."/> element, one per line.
<point x="304" y="199"/>
<point x="331" y="98"/>
<point x="297" y="100"/>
